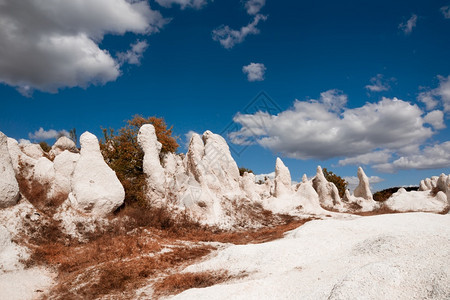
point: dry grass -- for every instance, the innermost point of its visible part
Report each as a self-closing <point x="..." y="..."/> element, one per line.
<point x="117" y="261"/>
<point x="380" y="211"/>
<point x="179" y="282"/>
<point x="38" y="193"/>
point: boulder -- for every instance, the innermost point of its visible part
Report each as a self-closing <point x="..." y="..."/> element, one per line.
<point x="9" y="187"/>
<point x="282" y="179"/>
<point x="327" y="191"/>
<point x="249" y="187"/>
<point x="62" y="144"/>
<point x="32" y="150"/>
<point x="43" y="171"/>
<point x="64" y="165"/>
<point x="95" y="187"/>
<point x="21" y="162"/>
<point x="210" y="162"/>
<point x="309" y="199"/>
<point x="422" y="201"/>
<point x="152" y="166"/>
<point x="363" y="188"/>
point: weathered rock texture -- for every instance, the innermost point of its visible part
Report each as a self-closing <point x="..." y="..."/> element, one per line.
<point x="327" y="191"/>
<point x="9" y="188"/>
<point x="95" y="187"/>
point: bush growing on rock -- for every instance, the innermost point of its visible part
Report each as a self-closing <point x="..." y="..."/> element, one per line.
<point x="338" y="181"/>
<point x="123" y="154"/>
<point x="242" y="170"/>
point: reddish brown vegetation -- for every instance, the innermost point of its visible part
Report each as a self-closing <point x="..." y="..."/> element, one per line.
<point x="179" y="282"/>
<point x="128" y="254"/>
<point x="38" y="193"/>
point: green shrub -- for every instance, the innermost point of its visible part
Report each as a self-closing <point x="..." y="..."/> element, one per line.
<point x="123" y="154"/>
<point x="338" y="181"/>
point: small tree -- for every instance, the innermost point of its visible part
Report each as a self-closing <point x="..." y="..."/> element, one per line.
<point x="46" y="147"/>
<point x="242" y="170"/>
<point x="338" y="181"/>
<point x="123" y="154"/>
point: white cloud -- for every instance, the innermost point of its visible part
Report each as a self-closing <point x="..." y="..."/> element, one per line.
<point x="378" y="84"/>
<point x="408" y="26"/>
<point x="431" y="157"/>
<point x="261" y="177"/>
<point x="196" y="4"/>
<point x="353" y="181"/>
<point x="48" y="45"/>
<point x="254" y="6"/>
<point x="376" y="157"/>
<point x="315" y="130"/>
<point x="254" y="71"/>
<point x="445" y="10"/>
<point x="428" y="99"/>
<point x="187" y="137"/>
<point x="439" y="95"/>
<point x="42" y="134"/>
<point x="134" y="55"/>
<point x="228" y="37"/>
<point x="435" y="118"/>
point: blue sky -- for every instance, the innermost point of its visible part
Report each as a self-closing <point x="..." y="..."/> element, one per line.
<point x="65" y="66"/>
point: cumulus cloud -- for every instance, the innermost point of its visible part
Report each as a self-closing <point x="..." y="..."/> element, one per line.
<point x="254" y="6"/>
<point x="431" y="157"/>
<point x="445" y="10"/>
<point x="353" y="181"/>
<point x="48" y="45"/>
<point x="407" y="27"/>
<point x="439" y="95"/>
<point x="376" y="157"/>
<point x="435" y="118"/>
<point x="378" y="84"/>
<point x="42" y="134"/>
<point x="134" y="55"/>
<point x="254" y="71"/>
<point x="316" y="129"/>
<point x="196" y="4"/>
<point x="228" y="37"/>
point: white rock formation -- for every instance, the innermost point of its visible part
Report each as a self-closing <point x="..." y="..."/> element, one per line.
<point x="9" y="188"/>
<point x="64" y="166"/>
<point x="327" y="191"/>
<point x="32" y="150"/>
<point x="43" y="171"/>
<point x="363" y="188"/>
<point x="362" y="198"/>
<point x="309" y="199"/>
<point x="62" y="144"/>
<point x="156" y="179"/>
<point x="95" y="187"/>
<point x="282" y="179"/>
<point x="417" y="201"/>
<point x="249" y="187"/>
<point x="209" y="161"/>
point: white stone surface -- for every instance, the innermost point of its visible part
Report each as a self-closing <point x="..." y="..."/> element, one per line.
<point x="9" y="188"/>
<point x="327" y="191"/>
<point x="416" y="201"/>
<point x="62" y="144"/>
<point x="95" y="187"/>
<point x="393" y="256"/>
<point x="152" y="166"/>
<point x="282" y="179"/>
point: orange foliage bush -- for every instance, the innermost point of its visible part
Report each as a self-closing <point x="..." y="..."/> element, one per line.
<point x="123" y="154"/>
